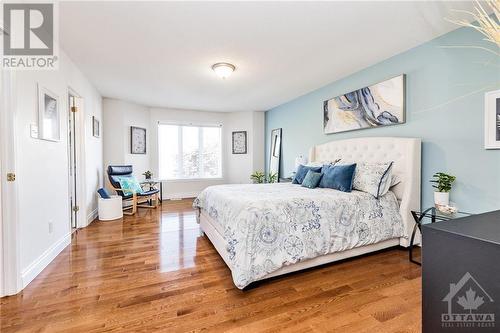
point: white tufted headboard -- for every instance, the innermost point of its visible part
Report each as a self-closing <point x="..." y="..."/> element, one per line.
<point x="404" y="152"/>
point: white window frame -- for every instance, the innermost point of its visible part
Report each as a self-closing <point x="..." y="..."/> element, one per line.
<point x="194" y="124"/>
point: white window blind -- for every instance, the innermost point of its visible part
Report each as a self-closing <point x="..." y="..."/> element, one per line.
<point x="189" y="151"/>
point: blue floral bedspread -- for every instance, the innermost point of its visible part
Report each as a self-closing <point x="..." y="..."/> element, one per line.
<point x="268" y="226"/>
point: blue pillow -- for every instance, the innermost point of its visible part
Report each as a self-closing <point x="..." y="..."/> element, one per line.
<point x="312" y="179"/>
<point x="302" y="172"/>
<point x="338" y="177"/>
<point x="130" y="184"/>
<point x="103" y="193"/>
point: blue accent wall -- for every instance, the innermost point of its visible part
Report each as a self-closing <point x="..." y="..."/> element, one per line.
<point x="445" y="89"/>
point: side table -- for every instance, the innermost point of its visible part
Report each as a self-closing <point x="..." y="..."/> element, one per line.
<point x="430" y="215"/>
<point x="152" y="183"/>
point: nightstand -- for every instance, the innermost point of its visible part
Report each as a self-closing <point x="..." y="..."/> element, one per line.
<point x="430" y="215"/>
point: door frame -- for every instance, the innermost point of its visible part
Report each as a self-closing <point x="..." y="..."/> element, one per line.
<point x="80" y="159"/>
<point x="10" y="251"/>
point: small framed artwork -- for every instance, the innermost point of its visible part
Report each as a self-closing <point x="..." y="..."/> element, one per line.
<point x="48" y="115"/>
<point x="137" y="140"/>
<point x="492" y="120"/>
<point x="96" y="127"/>
<point x="240" y="142"/>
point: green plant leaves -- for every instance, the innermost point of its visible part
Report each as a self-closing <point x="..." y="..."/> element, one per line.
<point x="443" y="181"/>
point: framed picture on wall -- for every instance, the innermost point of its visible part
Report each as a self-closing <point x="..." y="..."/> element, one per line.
<point x="137" y="140"/>
<point x="49" y="127"/>
<point x="378" y="105"/>
<point x="95" y="127"/>
<point x="240" y="142"/>
<point x="492" y="120"/>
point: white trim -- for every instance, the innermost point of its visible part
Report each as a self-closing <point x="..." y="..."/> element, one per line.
<point x="180" y="195"/>
<point x="10" y="202"/>
<point x="189" y="123"/>
<point x="37" y="266"/>
<point x="81" y="176"/>
<point x="92" y="216"/>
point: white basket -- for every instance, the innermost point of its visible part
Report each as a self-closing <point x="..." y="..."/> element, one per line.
<point x="110" y="209"/>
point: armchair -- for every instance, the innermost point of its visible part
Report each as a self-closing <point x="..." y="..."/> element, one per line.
<point x="138" y="198"/>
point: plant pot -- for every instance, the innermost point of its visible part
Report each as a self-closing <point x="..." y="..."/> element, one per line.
<point x="148" y="177"/>
<point x="442" y="198"/>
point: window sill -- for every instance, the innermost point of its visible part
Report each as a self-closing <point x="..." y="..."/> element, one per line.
<point x="191" y="180"/>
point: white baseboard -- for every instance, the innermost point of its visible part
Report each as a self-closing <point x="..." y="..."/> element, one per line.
<point x="92" y="216"/>
<point x="182" y="195"/>
<point x="44" y="260"/>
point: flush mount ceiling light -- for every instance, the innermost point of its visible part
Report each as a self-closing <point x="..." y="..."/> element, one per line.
<point x="223" y="69"/>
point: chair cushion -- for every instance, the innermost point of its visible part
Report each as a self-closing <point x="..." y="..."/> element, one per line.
<point x="103" y="193"/>
<point x="142" y="194"/>
<point x="338" y="177"/>
<point x="120" y="170"/>
<point x="146" y="193"/>
<point x="129" y="183"/>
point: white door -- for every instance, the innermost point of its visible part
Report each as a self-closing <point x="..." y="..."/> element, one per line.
<point x="2" y="292"/>
<point x="10" y="282"/>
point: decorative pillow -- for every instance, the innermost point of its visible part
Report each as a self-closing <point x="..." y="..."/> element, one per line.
<point x="103" y="193"/>
<point x="302" y="172"/>
<point x="395" y="180"/>
<point x="338" y="177"/>
<point x="131" y="184"/>
<point x="373" y="178"/>
<point x="312" y="179"/>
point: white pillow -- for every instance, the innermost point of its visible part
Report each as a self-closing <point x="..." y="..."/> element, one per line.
<point x="395" y="180"/>
<point x="321" y="163"/>
<point x="373" y="178"/>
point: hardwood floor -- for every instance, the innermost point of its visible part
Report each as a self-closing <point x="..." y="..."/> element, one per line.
<point x="153" y="272"/>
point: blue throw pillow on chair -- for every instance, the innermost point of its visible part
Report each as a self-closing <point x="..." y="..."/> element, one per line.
<point x="312" y="179"/>
<point x="302" y="172"/>
<point x="129" y="184"/>
<point x="338" y="177"/>
<point x="103" y="193"/>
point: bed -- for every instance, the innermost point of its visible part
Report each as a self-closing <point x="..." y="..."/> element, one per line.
<point x="266" y="230"/>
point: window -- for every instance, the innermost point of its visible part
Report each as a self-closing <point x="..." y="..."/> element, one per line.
<point x="189" y="152"/>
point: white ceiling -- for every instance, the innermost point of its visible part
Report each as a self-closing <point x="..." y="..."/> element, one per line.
<point x="160" y="53"/>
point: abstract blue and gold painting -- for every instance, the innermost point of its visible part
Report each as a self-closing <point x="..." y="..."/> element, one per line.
<point x="381" y="104"/>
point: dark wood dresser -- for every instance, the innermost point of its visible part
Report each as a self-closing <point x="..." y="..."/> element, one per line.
<point x="461" y="275"/>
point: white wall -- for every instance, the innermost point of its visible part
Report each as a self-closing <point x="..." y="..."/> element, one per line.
<point x="120" y="115"/>
<point x="259" y="141"/>
<point x="241" y="166"/>
<point x="42" y="166"/>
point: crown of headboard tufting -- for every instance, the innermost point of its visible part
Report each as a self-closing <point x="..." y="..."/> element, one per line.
<point x="404" y="152"/>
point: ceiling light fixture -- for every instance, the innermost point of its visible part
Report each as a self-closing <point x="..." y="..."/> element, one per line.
<point x="223" y="69"/>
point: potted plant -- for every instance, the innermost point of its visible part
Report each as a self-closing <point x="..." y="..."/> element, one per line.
<point x="442" y="184"/>
<point x="272" y="178"/>
<point x="148" y="174"/>
<point x="258" y="177"/>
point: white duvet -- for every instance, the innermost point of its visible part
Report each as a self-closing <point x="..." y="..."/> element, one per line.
<point x="268" y="226"/>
